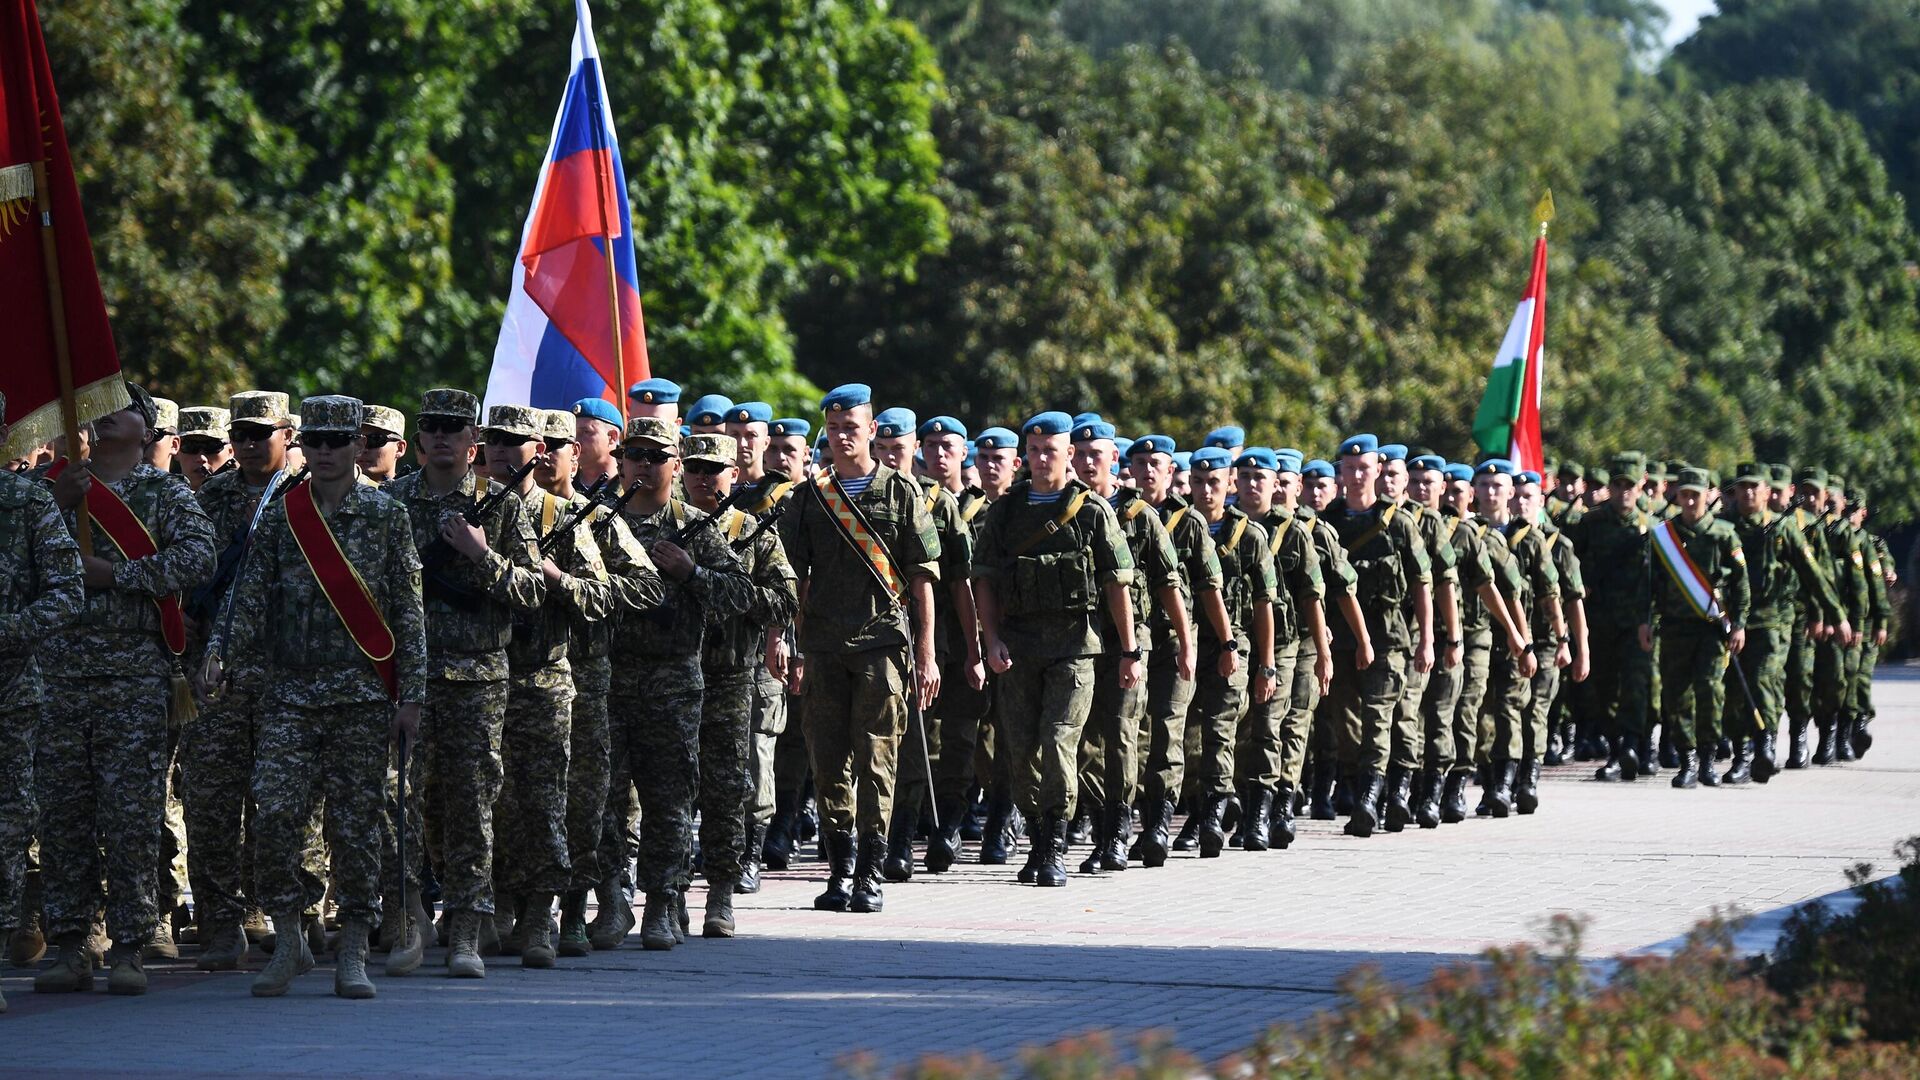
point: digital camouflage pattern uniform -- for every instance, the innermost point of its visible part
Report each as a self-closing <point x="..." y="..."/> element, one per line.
<point x="325" y="714"/>
<point x="1612" y="543"/>
<point x="40" y="593"/>
<point x="458" y="767"/>
<point x="99" y="768"/>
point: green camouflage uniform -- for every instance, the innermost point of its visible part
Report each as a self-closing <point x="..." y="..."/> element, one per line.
<point x="1546" y="677"/>
<point x="325" y="713"/>
<point x="1298" y="734"/>
<point x="1506" y="711"/>
<point x="769" y="693"/>
<point x="1783" y="574"/>
<point x="1693" y="650"/>
<point x="919" y="760"/>
<point x="1612" y="542"/>
<point x="1879" y="617"/>
<point x="1479" y="637"/>
<point x="1472" y="568"/>
<point x="1220" y="701"/>
<point x="40" y="592"/>
<point x="458" y="767"/>
<point x="1835" y="664"/>
<point x="1110" y="744"/>
<point x="1168" y="695"/>
<point x="1409" y="743"/>
<point x="1389" y="559"/>
<point x="1800" y="693"/>
<point x="963" y="711"/>
<point x="99" y="768"/>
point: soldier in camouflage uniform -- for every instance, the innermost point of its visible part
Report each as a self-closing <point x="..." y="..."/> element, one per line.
<point x="1409" y="743"/>
<point x="327" y="714"/>
<point x="731" y="661"/>
<point x="531" y="848"/>
<point x="1880" y="580"/>
<point x="476" y="580"/>
<point x="99" y="768"/>
<point x="1050" y="552"/>
<point x="40" y="593"/>
<point x="780" y="751"/>
<point x="658" y="684"/>
<point x="204" y="450"/>
<point x="165" y="441"/>
<point x="1837" y="661"/>
<point x="1568" y="653"/>
<point x="1534" y="596"/>
<point x="383" y="449"/>
<point x="853" y="633"/>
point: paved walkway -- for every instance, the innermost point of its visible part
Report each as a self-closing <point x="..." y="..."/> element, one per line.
<point x="1211" y="951"/>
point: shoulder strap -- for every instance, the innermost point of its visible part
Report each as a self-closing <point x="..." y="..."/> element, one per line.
<point x="1135" y="509"/>
<point x="549" y="510"/>
<point x="1054" y="525"/>
<point x="972" y="509"/>
<point x="1175" y="519"/>
<point x="1379" y="529"/>
<point x="1279" y="535"/>
<point x="1239" y="530"/>
<point x="852" y="527"/>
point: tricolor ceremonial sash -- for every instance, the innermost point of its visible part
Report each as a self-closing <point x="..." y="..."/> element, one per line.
<point x="348" y="594"/>
<point x="1686" y="574"/>
<point x="853" y="527"/>
<point x="129" y="534"/>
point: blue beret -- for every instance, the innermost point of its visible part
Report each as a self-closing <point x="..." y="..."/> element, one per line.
<point x="1182" y="460"/>
<point x="896" y="421"/>
<point x="1211" y="457"/>
<point x="1495" y="467"/>
<point x="1284" y="464"/>
<point x="1122" y="444"/>
<point x="1431" y="462"/>
<point x="1317" y="467"/>
<point x="791" y="425"/>
<point x="942" y="425"/>
<point x="1228" y="437"/>
<point x="842" y="398"/>
<point x="685" y="431"/>
<point x="1082" y="418"/>
<point x="1359" y="444"/>
<point x="1394" y="451"/>
<point x="655" y="392"/>
<point x="600" y="409"/>
<point x="1528" y="477"/>
<point x="710" y="409"/>
<point x="751" y="412"/>
<point x="971" y="455"/>
<point x="1047" y="423"/>
<point x="1151" y="444"/>
<point x="1093" y="430"/>
<point x="1290" y="452"/>
<point x="996" y="438"/>
<point x="1458" y="471"/>
<point x="1260" y="458"/>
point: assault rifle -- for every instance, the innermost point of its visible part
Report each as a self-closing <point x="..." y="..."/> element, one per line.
<point x="437" y="556"/>
<point x="208" y="597"/>
<point x="565" y="528"/>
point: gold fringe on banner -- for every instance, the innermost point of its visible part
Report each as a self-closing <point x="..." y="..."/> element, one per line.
<point x="43" y="424"/>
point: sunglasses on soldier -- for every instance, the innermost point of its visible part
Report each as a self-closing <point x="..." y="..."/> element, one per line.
<point x="443" y="425"/>
<point x="201" y="445"/>
<point x="378" y="439"/>
<point x="507" y="438"/>
<point x="326" y="440"/>
<point x="253" y="433"/>
<point x="646" y="455"/>
<point x="705" y="468"/>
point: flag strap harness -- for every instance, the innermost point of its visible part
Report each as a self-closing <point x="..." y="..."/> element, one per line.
<point x="853" y="527"/>
<point x="352" y="601"/>
<point x="1686" y="573"/>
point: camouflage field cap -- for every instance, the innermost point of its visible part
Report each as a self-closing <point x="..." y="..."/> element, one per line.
<point x="270" y="408"/>
<point x="1814" y="476"/>
<point x="203" y="421"/>
<point x="719" y="449"/>
<point x="385" y="419"/>
<point x="1753" y="472"/>
<point x="652" y="429"/>
<point x="516" y="420"/>
<point x="141" y="402"/>
<point x="331" y="413"/>
<point x="1694" y="479"/>
<point x="446" y="401"/>
<point x="166" y="415"/>
<point x="556" y="426"/>
<point x="1630" y="464"/>
<point x="1781" y="474"/>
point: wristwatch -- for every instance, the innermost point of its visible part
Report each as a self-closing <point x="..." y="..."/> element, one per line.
<point x="1270" y="671"/>
<point x="1230" y="645"/>
<point x="1135" y="653"/>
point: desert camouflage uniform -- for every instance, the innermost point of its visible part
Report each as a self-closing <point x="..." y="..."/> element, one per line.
<point x="99" y="769"/>
<point x="325" y="713"/>
<point x="40" y="592"/>
<point x="458" y="768"/>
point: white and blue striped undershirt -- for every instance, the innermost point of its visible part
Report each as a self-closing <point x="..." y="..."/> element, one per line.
<point x="857" y="486"/>
<point x="1041" y="500"/>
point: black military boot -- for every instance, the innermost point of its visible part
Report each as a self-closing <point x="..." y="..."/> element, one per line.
<point x="1189" y="835"/>
<point x="1526" y="790"/>
<point x="1610" y="771"/>
<point x="1632" y="765"/>
<point x="1741" y="770"/>
<point x="1647" y="756"/>
<point x="1499" y="798"/>
<point x="1823" y="753"/>
<point x="995" y="835"/>
<point x="866" y="874"/>
<point x="1255" y="818"/>
<point x="898" y="865"/>
<point x="1861" y="739"/>
<point x="1052" y="871"/>
<point x="1798" y="751"/>
<point x="1281" y="831"/>
<point x="1239" y="837"/>
<point x="1427" y="812"/>
<point x="1709" y="777"/>
<point x="1113" y="847"/>
<point x="1843" y="737"/>
<point x="1081" y="829"/>
<point x="1689" y="774"/>
<point x="1399" y="795"/>
<point x="1153" y="831"/>
<point x="1556" y="746"/>
<point x="750" y="859"/>
<point x="1765" y="760"/>
<point x="1369" y="787"/>
<point x="1453" y="797"/>
<point x="1211" y="833"/>
<point x="1343" y="794"/>
<point x="1484" y="775"/>
<point x="1322" y="807"/>
<point x="1097" y="842"/>
<point x="839" y="872"/>
<point x="944" y="846"/>
<point x="975" y="824"/>
<point x="1669" y="753"/>
<point x="777" y="850"/>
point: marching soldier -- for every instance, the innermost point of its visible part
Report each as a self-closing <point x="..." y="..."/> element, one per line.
<point x="166" y="435"/>
<point x="1702" y="566"/>
<point x="1409" y="744"/>
<point x="997" y="454"/>
<point x="330" y="598"/>
<point x="1837" y="661"/>
<point x="1534" y="595"/>
<point x="1880" y="579"/>
<point x="1050" y="552"/>
<point x="1611" y="541"/>
<point x="383" y="443"/>
<point x="40" y="592"/>
<point x="658" y="685"/>
<point x="1482" y="606"/>
<point x="963" y="702"/>
<point x="203" y="444"/>
<point x="1569" y="652"/>
<point x="107" y="678"/>
<point x="732" y="661"/>
<point x="780" y="752"/>
<point x="864" y="552"/>
<point x="477" y="578"/>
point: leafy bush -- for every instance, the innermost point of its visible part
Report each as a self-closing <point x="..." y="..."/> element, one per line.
<point x="1875" y="947"/>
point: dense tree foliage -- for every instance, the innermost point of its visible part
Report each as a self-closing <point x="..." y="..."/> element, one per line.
<point x="1309" y="216"/>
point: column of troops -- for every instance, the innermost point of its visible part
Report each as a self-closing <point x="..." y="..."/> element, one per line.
<point x="309" y="667"/>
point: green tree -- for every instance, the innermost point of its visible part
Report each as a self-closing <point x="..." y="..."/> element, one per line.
<point x="190" y="270"/>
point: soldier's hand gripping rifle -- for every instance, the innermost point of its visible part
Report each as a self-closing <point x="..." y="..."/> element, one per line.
<point x="565" y="528"/>
<point x="437" y="556"/>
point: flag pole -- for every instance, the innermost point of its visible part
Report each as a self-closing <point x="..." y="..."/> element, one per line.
<point x="600" y="181"/>
<point x="57" y="313"/>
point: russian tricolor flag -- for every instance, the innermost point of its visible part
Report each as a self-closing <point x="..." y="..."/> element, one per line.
<point x="573" y="327"/>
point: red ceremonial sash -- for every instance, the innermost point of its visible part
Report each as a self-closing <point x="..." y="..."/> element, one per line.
<point x="341" y="582"/>
<point x="129" y="534"/>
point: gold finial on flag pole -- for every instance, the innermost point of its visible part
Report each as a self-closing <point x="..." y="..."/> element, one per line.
<point x="1543" y="211"/>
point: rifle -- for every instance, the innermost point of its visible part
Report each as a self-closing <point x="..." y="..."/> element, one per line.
<point x="692" y="528"/>
<point x="435" y="557"/>
<point x="207" y="597"/>
<point x="765" y="522"/>
<point x="565" y="528"/>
